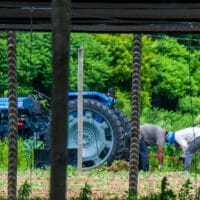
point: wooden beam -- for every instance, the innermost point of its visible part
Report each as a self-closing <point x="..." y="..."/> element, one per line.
<point x="108" y="16"/>
<point x="114" y="28"/>
<point x="139" y="28"/>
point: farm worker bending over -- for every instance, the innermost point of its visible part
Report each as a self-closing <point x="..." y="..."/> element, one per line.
<point x="151" y="135"/>
<point x="189" y="141"/>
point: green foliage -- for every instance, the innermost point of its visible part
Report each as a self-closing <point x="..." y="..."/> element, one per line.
<point x="149" y="71"/>
<point x="195" y="165"/>
<point x="170" y="73"/>
<point x="3" y="65"/>
<point x="132" y="195"/>
<point x="123" y="102"/>
<point x="171" y="159"/>
<point x="120" y="48"/>
<point x="171" y="83"/>
<point x="97" y="69"/>
<point x="34" y="61"/>
<point x="189" y="104"/>
<point x="71" y="171"/>
<point x="184" y="193"/>
<point x="4" y="153"/>
<point x="165" y="192"/>
<point x="169" y="120"/>
<point x="86" y="193"/>
<point x="24" y="191"/>
<point x="24" y="154"/>
<point x="170" y="69"/>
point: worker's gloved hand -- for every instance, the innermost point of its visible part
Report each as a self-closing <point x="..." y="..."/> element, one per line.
<point x="160" y="167"/>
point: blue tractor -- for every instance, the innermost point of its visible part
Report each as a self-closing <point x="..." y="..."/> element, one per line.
<point x="106" y="129"/>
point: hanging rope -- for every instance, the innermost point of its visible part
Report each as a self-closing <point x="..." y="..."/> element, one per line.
<point x="30" y="58"/>
<point x="12" y="117"/>
<point x="190" y="77"/>
<point x="135" y="114"/>
<point x="191" y="103"/>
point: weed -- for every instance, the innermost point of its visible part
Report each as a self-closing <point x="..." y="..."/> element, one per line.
<point x="165" y="192"/>
<point x="184" y="193"/>
<point x="71" y="171"/>
<point x="24" y="191"/>
<point x="85" y="194"/>
<point x="132" y="195"/>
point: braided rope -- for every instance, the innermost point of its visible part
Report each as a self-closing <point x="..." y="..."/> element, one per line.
<point x="12" y="117"/>
<point x="135" y="114"/>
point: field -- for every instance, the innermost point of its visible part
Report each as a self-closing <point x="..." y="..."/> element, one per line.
<point x="103" y="183"/>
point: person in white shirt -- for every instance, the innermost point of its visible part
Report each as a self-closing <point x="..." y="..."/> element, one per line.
<point x="189" y="141"/>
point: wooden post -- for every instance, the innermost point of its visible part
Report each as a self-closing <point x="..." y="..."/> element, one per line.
<point x="61" y="15"/>
<point x="80" y="106"/>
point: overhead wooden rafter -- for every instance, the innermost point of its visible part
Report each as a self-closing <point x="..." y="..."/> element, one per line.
<point x="105" y="16"/>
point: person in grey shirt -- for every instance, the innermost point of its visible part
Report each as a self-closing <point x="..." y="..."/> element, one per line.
<point x="151" y="135"/>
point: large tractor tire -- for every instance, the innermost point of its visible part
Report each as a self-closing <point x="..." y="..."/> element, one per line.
<point x="102" y="133"/>
<point x="126" y="127"/>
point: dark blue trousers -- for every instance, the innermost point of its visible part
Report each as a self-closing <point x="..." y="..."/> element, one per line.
<point x="143" y="156"/>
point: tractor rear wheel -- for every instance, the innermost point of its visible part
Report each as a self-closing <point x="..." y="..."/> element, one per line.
<point x="102" y="133"/>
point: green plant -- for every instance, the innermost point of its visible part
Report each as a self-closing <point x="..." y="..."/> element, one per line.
<point x="195" y="165"/>
<point x="71" y="171"/>
<point x="132" y="195"/>
<point x="165" y="192"/>
<point x="24" y="191"/>
<point x="4" y="153"/>
<point x="85" y="193"/>
<point x="184" y="193"/>
<point x="25" y="154"/>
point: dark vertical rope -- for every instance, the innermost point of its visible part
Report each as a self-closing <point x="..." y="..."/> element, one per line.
<point x="191" y="102"/>
<point x="190" y="78"/>
<point x="135" y="114"/>
<point x="12" y="117"/>
<point x="31" y="39"/>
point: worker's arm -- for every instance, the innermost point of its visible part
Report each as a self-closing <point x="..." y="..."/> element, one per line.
<point x="160" y="155"/>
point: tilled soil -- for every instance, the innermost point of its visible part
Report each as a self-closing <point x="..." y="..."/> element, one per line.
<point x="106" y="185"/>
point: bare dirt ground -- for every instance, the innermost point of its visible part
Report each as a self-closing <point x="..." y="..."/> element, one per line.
<point x="106" y="185"/>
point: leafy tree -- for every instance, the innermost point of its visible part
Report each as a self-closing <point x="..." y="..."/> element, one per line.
<point x="149" y="71"/>
<point x="34" y="62"/>
<point x="120" y="48"/>
<point x="3" y="64"/>
<point x="97" y="69"/>
<point x="173" y="78"/>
